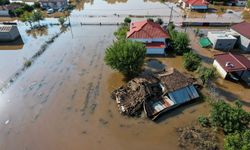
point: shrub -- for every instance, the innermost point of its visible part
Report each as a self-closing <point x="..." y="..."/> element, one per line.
<point x="238" y="141"/>
<point x="126" y="56"/>
<point x="61" y="20"/>
<point x="121" y="33"/>
<point x="127" y="20"/>
<point x="191" y="61"/>
<point x="27" y="63"/>
<point x="230" y="118"/>
<point x="206" y="74"/>
<point x="204" y="121"/>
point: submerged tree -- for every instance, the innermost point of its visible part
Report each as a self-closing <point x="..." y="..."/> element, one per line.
<point x="181" y="42"/>
<point x="127" y="20"/>
<point x="62" y="20"/>
<point x="37" y="16"/>
<point x="206" y="75"/>
<point x="27" y="17"/>
<point x="191" y="61"/>
<point x="126" y="56"/>
<point x="121" y="33"/>
<point x="238" y="141"/>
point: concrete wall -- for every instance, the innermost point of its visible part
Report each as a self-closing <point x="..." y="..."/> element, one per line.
<point x="244" y="42"/>
<point x="4" y="12"/>
<point x="155" y="51"/>
<point x="221" y="44"/>
<point x="149" y="40"/>
<point x="219" y="69"/>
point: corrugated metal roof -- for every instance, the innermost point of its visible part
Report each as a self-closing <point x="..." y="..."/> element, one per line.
<point x="147" y="30"/>
<point x="5" y="28"/>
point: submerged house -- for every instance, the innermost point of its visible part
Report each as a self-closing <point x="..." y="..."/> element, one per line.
<point x="194" y="4"/>
<point x="8" y="33"/>
<point x="243" y="30"/>
<point x="55" y="4"/>
<point x="155" y="94"/>
<point x="176" y="88"/>
<point x="222" y="40"/>
<point x="233" y="66"/>
<point x="151" y="34"/>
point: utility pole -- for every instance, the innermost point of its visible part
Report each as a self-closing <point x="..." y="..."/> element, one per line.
<point x="171" y="13"/>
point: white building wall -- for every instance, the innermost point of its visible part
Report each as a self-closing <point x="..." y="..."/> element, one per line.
<point x="4" y="12"/>
<point x="220" y="70"/>
<point x="244" y="42"/>
<point x="220" y="43"/>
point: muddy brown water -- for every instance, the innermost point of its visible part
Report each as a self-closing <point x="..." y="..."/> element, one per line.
<point x="63" y="102"/>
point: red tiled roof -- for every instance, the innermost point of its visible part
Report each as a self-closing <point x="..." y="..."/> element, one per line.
<point x="233" y="62"/>
<point x="147" y="30"/>
<point x="155" y="45"/>
<point x="243" y="28"/>
<point x="197" y="2"/>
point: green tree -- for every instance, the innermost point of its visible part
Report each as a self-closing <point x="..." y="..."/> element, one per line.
<point x="238" y="141"/>
<point x="37" y="16"/>
<point x="248" y="3"/>
<point x="37" y="5"/>
<point x="181" y="42"/>
<point x="121" y="33"/>
<point x="191" y="61"/>
<point x="62" y="20"/>
<point x="126" y="56"/>
<point x="206" y="74"/>
<point x="27" y="17"/>
<point x="4" y="2"/>
<point x="127" y="20"/>
<point x="229" y="118"/>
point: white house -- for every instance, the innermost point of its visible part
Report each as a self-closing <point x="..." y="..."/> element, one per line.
<point x="55" y="4"/>
<point x="194" y="4"/>
<point x="231" y="65"/>
<point x="222" y="40"/>
<point x="243" y="29"/>
<point x="8" y="33"/>
<point x="4" y="11"/>
<point x="151" y="34"/>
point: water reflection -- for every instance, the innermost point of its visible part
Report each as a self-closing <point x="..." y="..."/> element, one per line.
<point x="13" y="45"/>
<point x="36" y="32"/>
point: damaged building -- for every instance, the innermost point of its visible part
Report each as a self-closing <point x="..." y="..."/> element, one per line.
<point x="155" y="94"/>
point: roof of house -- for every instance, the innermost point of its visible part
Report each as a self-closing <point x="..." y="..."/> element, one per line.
<point x="233" y="62"/>
<point x="196" y="2"/>
<point x="146" y="29"/>
<point x="155" y="45"/>
<point x="5" y="28"/>
<point x="242" y="28"/>
<point x="174" y="80"/>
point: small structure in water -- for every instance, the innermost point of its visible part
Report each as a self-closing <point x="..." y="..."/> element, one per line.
<point x="8" y="33"/>
<point x="155" y="94"/>
<point x="233" y="66"/>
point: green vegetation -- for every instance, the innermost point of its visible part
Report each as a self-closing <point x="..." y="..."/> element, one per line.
<point x="179" y="40"/>
<point x="4" y="2"/>
<point x="37" y="16"/>
<point x="191" y="61"/>
<point x="127" y="20"/>
<point x="248" y="3"/>
<point x="20" y="9"/>
<point x="62" y="20"/>
<point x="204" y="121"/>
<point x="206" y="74"/>
<point x="37" y="5"/>
<point x="238" y="141"/>
<point x="121" y="33"/>
<point x="27" y="63"/>
<point x="126" y="56"/>
<point x="27" y="17"/>
<point x="230" y="118"/>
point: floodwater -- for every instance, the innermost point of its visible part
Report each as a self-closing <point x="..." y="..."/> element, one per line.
<point x="63" y="100"/>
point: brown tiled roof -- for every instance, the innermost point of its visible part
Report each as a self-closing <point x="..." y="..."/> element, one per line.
<point x="174" y="80"/>
<point x="243" y="28"/>
<point x="233" y="62"/>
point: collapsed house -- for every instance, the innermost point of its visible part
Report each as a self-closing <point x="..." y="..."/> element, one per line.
<point x="155" y="94"/>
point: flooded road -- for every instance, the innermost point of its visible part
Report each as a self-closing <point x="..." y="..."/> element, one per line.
<point x="63" y="102"/>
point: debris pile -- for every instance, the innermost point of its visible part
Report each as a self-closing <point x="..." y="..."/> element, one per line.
<point x="197" y="138"/>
